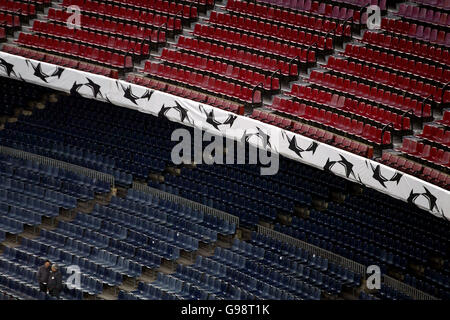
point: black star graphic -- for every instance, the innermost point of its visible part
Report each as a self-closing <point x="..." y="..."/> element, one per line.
<point x="427" y="195"/>
<point x="95" y="87"/>
<point x="75" y="87"/>
<point x="9" y="67"/>
<point x="183" y="112"/>
<point x="298" y="150"/>
<point x="260" y="134"/>
<point x="42" y="75"/>
<point x="129" y="94"/>
<point x="381" y="179"/>
<point x="348" y="166"/>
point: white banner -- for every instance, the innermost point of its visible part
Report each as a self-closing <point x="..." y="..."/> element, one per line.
<point x="297" y="147"/>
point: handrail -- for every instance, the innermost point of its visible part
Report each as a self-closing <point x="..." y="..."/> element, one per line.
<point x="17" y="11"/>
<point x="443" y="91"/>
<point x="411" y="111"/>
<point x="159" y="30"/>
<point x="362" y="9"/>
<point x="351" y="26"/>
<point x="254" y="90"/>
<point x="387" y="125"/>
<point x="190" y="10"/>
<point x="143" y="42"/>
<point x="423" y="105"/>
<point x="126" y="55"/>
<point x="271" y="78"/>
<point x="176" y="14"/>
<point x="310" y="47"/>
<point x="296" y="57"/>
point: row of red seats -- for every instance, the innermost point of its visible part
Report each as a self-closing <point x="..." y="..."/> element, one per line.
<point x="445" y="119"/>
<point x="352" y="108"/>
<point x="314" y="133"/>
<point x="414" y="168"/>
<point x="215" y="86"/>
<point x="22" y="8"/>
<point x="246" y="57"/>
<point x="143" y="3"/>
<point x="91" y="38"/>
<point x="276" y="16"/>
<point x="271" y="118"/>
<point x="61" y="61"/>
<point x="438" y="4"/>
<point x="186" y="93"/>
<point x="112" y="26"/>
<point x="2" y="34"/>
<point x="75" y="50"/>
<point x="435" y="133"/>
<point x="407" y="46"/>
<point x="398" y="63"/>
<point x="280" y="33"/>
<point x="9" y="20"/>
<point x="232" y="38"/>
<point x="380" y="76"/>
<point x="222" y="69"/>
<point x="385" y="98"/>
<point x="120" y="9"/>
<point x="189" y="8"/>
<point x="413" y="30"/>
<point x="423" y="14"/>
<point x="425" y="152"/>
<point x="334" y="121"/>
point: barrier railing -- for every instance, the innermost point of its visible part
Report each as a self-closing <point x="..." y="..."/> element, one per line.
<point x="332" y="257"/>
<point x="59" y="164"/>
<point x="347" y="263"/>
<point x="406" y="289"/>
<point x="183" y="201"/>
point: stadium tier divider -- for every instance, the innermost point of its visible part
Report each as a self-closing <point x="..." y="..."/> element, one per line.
<point x="186" y="202"/>
<point x="59" y="164"/>
<point x="346" y="263"/>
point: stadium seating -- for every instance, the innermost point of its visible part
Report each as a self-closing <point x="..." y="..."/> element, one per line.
<point x="294" y="64"/>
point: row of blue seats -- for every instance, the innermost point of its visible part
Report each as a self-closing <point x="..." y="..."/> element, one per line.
<point x="434" y="285"/>
<point x="54" y="197"/>
<point x="225" y="185"/>
<point x="347" y="246"/>
<point x="28" y="202"/>
<point x="360" y="238"/>
<point x="385" y="227"/>
<point x="242" y="201"/>
<point x="132" y="239"/>
<point x="22" y="215"/>
<point x="51" y="150"/>
<point x="396" y="212"/>
<point x="39" y="173"/>
<point x="289" y="251"/>
<point x="245" y="218"/>
<point x="92" y="266"/>
<point x="154" y="230"/>
<point x="204" y="281"/>
<point x="178" y="210"/>
<point x="274" y="185"/>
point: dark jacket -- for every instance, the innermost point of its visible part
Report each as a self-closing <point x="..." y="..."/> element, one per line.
<point x="55" y="280"/>
<point x="42" y="275"/>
